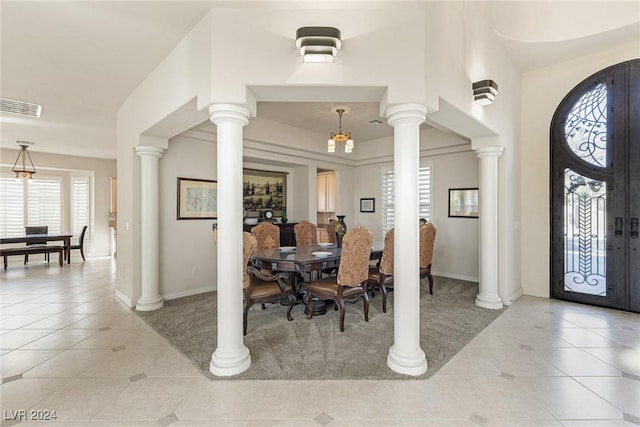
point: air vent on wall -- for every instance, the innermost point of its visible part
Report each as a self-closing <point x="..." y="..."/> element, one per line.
<point x="20" y="107"/>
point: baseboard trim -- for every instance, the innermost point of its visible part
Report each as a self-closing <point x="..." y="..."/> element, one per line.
<point x="123" y="298"/>
<point x="188" y="293"/>
<point x="514" y="296"/>
<point x="456" y="276"/>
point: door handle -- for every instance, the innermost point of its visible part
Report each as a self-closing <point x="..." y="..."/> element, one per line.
<point x="618" y="231"/>
<point x="634" y="228"/>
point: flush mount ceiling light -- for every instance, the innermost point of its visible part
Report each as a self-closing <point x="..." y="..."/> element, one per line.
<point x="318" y="44"/>
<point x="339" y="138"/>
<point x="20" y="107"/>
<point x="485" y="91"/>
<point x="22" y="167"/>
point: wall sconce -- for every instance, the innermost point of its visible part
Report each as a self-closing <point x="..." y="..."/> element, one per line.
<point x="318" y="44"/>
<point x="485" y="91"/>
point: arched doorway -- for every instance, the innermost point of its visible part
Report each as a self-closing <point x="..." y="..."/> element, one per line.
<point x="595" y="191"/>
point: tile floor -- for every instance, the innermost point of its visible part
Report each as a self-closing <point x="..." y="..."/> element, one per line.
<point x="67" y="345"/>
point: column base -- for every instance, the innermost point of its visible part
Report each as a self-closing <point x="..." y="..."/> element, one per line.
<point x="407" y="364"/>
<point x="228" y="364"/>
<point x="150" y="304"/>
<point x="493" y="303"/>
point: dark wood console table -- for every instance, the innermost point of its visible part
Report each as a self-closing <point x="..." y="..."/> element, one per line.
<point x="287" y="236"/>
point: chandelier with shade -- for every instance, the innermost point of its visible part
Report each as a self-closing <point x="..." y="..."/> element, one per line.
<point x="23" y="166"/>
<point x="340" y="138"/>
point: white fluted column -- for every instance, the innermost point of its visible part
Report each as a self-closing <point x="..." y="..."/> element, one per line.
<point x="150" y="298"/>
<point x="488" y="293"/>
<point x="231" y="356"/>
<point x="406" y="356"/>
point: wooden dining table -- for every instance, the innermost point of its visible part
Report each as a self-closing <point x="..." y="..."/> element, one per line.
<point x="298" y="260"/>
<point x="38" y="238"/>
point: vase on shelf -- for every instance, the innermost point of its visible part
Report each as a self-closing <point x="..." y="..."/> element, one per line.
<point x="284" y="216"/>
<point x="341" y="229"/>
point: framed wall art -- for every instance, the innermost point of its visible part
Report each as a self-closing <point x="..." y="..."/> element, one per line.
<point x="463" y="202"/>
<point x="368" y="205"/>
<point x="264" y="191"/>
<point x="197" y="199"/>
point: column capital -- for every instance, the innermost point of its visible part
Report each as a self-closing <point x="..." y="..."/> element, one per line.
<point x="220" y="113"/>
<point x="406" y="112"/>
<point x="149" y="151"/>
<point x="494" y="151"/>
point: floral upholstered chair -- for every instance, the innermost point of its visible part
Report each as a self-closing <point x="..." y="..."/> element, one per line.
<point x="260" y="288"/>
<point x="267" y="235"/>
<point x="351" y="281"/>
<point x="427" y="241"/>
<point x="381" y="277"/>
<point x="306" y="233"/>
<point x="331" y="231"/>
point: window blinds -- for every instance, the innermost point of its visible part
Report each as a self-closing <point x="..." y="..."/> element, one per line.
<point x="388" y="195"/>
<point x="80" y="205"/>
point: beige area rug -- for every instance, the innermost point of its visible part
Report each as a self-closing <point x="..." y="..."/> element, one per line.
<point x="315" y="349"/>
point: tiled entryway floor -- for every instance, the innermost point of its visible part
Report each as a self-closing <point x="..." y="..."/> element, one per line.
<point x="69" y="346"/>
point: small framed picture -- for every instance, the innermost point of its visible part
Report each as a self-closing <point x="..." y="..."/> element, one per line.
<point x="197" y="199"/>
<point x="463" y="203"/>
<point x="368" y="205"/>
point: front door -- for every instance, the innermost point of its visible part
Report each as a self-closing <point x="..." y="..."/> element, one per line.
<point x="595" y="204"/>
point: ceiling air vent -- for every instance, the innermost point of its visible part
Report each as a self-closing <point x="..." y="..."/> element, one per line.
<point x="20" y="107"/>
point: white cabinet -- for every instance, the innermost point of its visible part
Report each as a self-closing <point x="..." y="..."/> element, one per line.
<point x="326" y="191"/>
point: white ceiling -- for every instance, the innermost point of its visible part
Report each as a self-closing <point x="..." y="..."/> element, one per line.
<point x="82" y="59"/>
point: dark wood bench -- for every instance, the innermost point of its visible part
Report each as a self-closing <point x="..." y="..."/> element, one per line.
<point x="30" y="250"/>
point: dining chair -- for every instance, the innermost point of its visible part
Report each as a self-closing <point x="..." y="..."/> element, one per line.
<point x="306" y="233"/>
<point x="267" y="235"/>
<point x="427" y="241"/>
<point x="351" y="280"/>
<point x="381" y="277"/>
<point x="39" y="229"/>
<point x="80" y="244"/>
<point x="331" y="231"/>
<point x="259" y="288"/>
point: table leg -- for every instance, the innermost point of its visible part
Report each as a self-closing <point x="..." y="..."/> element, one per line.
<point x="67" y="249"/>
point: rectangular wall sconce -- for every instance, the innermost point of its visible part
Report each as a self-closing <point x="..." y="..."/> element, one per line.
<point x="485" y="91"/>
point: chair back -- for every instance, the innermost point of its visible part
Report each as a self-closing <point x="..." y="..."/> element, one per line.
<point x="306" y="233"/>
<point x="386" y="262"/>
<point x="249" y="245"/>
<point x="354" y="261"/>
<point x="37" y="229"/>
<point x="331" y="231"/>
<point x="82" y="234"/>
<point x="267" y="235"/>
<point x="427" y="241"/>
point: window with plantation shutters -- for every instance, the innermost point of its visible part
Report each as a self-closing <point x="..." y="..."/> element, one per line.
<point x="44" y="203"/>
<point x="11" y="207"/>
<point x="80" y="205"/>
<point x="388" y="195"/>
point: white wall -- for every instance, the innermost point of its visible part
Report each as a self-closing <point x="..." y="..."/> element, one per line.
<point x="454" y="165"/>
<point x="187" y="246"/>
<point x="102" y="169"/>
<point x="187" y="252"/>
<point x="394" y="46"/>
<point x="542" y="92"/>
